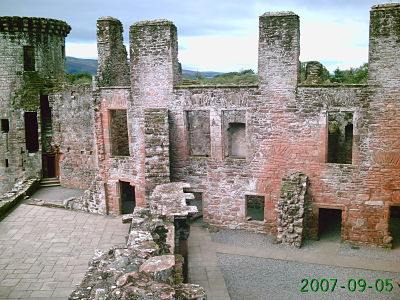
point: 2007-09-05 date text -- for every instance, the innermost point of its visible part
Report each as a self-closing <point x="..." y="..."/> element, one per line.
<point x="352" y="285"/>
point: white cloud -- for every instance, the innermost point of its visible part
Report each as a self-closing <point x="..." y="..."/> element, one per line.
<point x="335" y="40"/>
<point x="218" y="53"/>
<point x="81" y="50"/>
<point x="337" y="43"/>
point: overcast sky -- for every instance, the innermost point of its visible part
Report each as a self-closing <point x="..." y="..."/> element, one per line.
<point x="217" y="35"/>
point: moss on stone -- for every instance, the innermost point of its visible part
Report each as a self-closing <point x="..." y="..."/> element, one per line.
<point x="32" y="86"/>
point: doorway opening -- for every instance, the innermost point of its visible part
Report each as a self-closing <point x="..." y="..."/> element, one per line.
<point x="127" y="194"/>
<point x="49" y="166"/>
<point x="330" y="223"/>
<point x="394" y="225"/>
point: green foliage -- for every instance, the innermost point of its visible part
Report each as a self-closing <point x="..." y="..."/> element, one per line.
<point x="352" y="76"/>
<point x="79" y="78"/>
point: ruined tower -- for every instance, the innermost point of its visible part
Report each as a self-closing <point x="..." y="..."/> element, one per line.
<point x="154" y="61"/>
<point x="32" y="63"/>
<point x="278" y="51"/>
<point x="113" y="63"/>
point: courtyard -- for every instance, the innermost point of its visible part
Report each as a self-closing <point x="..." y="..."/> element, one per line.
<point x="44" y="252"/>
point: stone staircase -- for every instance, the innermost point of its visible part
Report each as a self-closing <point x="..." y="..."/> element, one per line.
<point x="48" y="182"/>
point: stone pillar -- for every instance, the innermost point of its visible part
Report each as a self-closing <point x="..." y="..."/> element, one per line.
<point x="154" y="62"/>
<point x="384" y="45"/>
<point x="278" y="51"/>
<point x="113" y="69"/>
<point x="292" y="206"/>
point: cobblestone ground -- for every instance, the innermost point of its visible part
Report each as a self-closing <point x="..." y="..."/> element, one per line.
<point x="44" y="251"/>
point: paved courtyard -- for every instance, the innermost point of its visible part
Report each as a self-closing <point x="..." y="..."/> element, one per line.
<point x="44" y="251"/>
<point x="241" y="265"/>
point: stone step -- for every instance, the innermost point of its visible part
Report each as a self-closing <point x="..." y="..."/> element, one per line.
<point x="46" y="182"/>
<point x="50" y="180"/>
<point x="49" y="184"/>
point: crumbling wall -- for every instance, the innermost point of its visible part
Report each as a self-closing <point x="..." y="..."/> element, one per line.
<point x="314" y="73"/>
<point x="21" y="189"/>
<point x="278" y="52"/>
<point x="113" y="69"/>
<point x="91" y="200"/>
<point x="292" y="206"/>
<point x="147" y="266"/>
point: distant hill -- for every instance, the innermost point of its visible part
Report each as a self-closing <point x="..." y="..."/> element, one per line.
<point x="193" y="74"/>
<point x="80" y="65"/>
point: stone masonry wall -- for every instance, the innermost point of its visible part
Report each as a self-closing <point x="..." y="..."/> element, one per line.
<point x="73" y="127"/>
<point x="286" y="130"/>
<point x="154" y="62"/>
<point x="148" y="267"/>
<point x="20" y="90"/>
<point x="156" y="131"/>
<point x="113" y="67"/>
<point x="292" y="206"/>
<point x="112" y="168"/>
<point x="278" y="52"/>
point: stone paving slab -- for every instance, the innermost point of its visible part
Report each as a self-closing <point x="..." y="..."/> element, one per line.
<point x="44" y="251"/>
<point x="203" y="264"/>
<point x="56" y="194"/>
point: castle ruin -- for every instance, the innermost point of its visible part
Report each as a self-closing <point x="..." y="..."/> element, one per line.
<point x="276" y="157"/>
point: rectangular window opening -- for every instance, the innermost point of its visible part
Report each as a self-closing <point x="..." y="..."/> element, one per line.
<point x="237" y="140"/>
<point x="198" y="124"/>
<point x="31" y="132"/>
<point x="255" y="207"/>
<point x="29" y="58"/>
<point x="119" y="132"/>
<point x="5" y="125"/>
<point x="340" y="137"/>
<point x="6" y="163"/>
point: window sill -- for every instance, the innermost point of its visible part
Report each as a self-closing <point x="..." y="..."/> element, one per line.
<point x="256" y="221"/>
<point x="340" y="165"/>
<point x="235" y="158"/>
